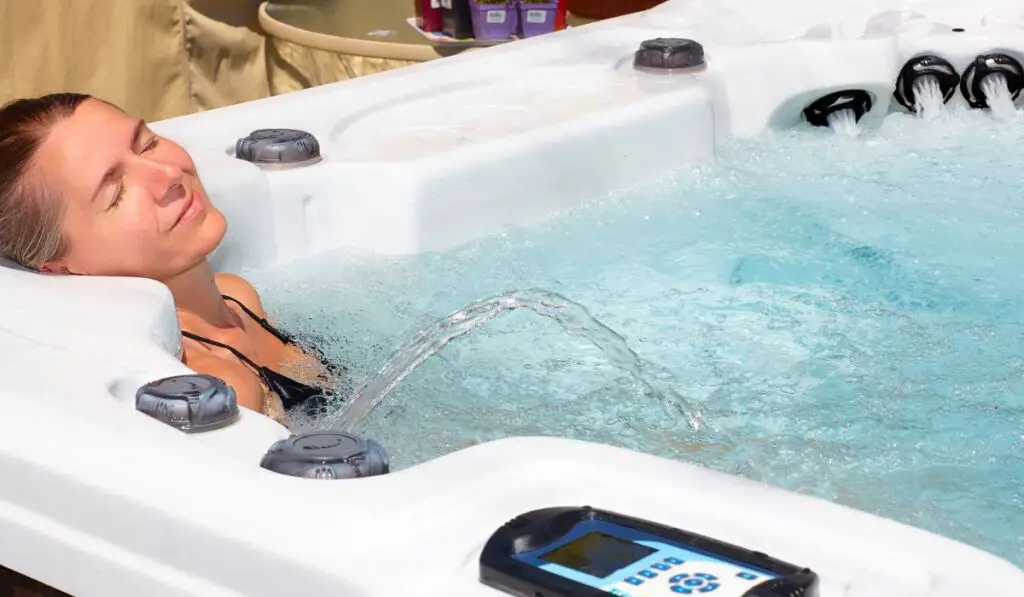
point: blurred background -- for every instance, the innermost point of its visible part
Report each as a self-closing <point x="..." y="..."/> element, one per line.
<point x="164" y="58"/>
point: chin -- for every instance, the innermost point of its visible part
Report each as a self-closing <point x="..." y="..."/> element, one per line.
<point x="215" y="227"/>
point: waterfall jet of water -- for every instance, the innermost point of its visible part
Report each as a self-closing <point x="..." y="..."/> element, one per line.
<point x="840" y="110"/>
<point x="924" y="84"/>
<point x="993" y="81"/>
<point x="571" y="316"/>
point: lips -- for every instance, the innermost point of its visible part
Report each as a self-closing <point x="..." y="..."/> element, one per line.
<point x="189" y="206"/>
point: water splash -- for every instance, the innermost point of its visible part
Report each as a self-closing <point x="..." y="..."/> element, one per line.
<point x="928" y="100"/>
<point x="571" y="316"/>
<point x="844" y="122"/>
<point x="997" y="96"/>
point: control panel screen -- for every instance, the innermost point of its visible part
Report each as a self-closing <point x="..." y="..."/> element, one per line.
<point x="598" y="554"/>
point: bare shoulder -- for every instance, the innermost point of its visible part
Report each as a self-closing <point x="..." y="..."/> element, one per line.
<point x="246" y="384"/>
<point x="240" y="288"/>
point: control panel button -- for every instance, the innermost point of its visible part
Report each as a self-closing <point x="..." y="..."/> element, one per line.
<point x="634" y="580"/>
<point x="681" y="589"/>
<point x="660" y="566"/>
<point x="647" y="574"/>
<point x="674" y="561"/>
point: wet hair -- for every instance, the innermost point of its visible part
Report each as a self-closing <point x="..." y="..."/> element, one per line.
<point x="30" y="215"/>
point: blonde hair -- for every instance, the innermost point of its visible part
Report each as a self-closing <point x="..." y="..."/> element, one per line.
<point x="30" y="216"/>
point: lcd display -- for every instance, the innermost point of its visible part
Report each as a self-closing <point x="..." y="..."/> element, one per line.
<point x="597" y="554"/>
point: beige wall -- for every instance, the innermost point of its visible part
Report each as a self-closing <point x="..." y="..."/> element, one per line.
<point x="157" y="58"/>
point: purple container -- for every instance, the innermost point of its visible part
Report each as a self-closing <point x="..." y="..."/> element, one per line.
<point x="537" y="19"/>
<point x="493" y="21"/>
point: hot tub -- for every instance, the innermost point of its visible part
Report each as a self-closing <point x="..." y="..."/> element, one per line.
<point x="100" y="499"/>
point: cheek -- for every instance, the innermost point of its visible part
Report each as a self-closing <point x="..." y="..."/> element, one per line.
<point x="137" y="227"/>
<point x="128" y="236"/>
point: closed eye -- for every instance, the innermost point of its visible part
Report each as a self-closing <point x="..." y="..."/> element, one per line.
<point x="119" y="189"/>
<point x="118" y="195"/>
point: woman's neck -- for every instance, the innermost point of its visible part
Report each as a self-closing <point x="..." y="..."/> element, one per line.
<point x="195" y="292"/>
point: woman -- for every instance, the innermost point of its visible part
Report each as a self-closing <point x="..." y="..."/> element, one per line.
<point x="86" y="189"/>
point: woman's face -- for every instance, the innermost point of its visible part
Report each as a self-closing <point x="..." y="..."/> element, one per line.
<point x="134" y="203"/>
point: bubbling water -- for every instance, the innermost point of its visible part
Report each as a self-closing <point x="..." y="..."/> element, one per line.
<point x="847" y="310"/>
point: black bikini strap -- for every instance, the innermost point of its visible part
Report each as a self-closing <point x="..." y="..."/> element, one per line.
<point x="283" y="337"/>
<point x="291" y="392"/>
<point x="231" y="349"/>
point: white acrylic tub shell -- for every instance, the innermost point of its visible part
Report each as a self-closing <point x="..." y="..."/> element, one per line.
<point x="98" y="500"/>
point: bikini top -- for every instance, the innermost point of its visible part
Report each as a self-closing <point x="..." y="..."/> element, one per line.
<point x="292" y="392"/>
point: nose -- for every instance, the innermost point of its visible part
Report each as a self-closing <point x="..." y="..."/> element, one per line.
<point x="161" y="179"/>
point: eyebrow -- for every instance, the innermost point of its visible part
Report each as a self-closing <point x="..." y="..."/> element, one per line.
<point x="114" y="172"/>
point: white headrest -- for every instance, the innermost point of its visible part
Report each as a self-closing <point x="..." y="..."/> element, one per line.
<point x="97" y="316"/>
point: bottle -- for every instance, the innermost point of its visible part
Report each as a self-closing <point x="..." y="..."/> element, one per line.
<point x="560" y="15"/>
<point x="428" y="13"/>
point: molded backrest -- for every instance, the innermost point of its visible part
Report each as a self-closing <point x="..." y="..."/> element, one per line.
<point x="102" y="318"/>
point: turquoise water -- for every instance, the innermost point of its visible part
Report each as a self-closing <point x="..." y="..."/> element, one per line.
<point x="850" y="310"/>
